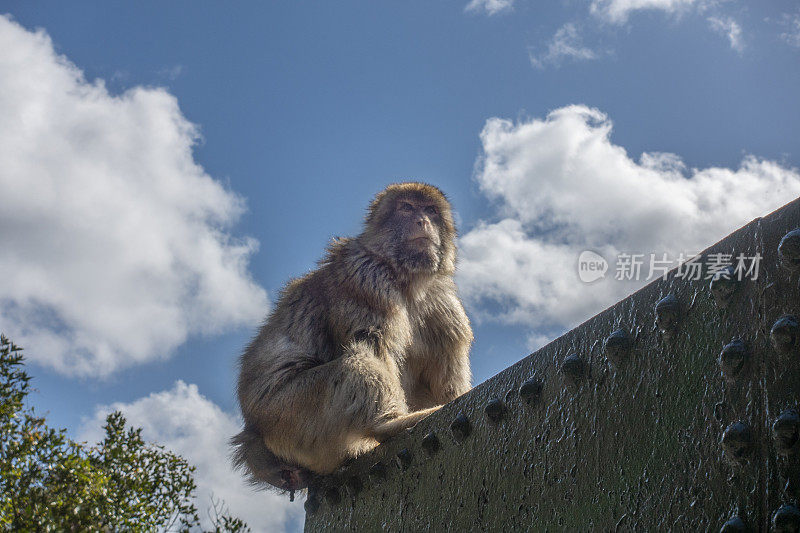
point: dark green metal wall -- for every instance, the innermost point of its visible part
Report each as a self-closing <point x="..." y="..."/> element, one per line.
<point x="624" y="434"/>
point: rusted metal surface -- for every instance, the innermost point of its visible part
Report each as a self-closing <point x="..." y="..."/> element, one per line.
<point x="675" y="409"/>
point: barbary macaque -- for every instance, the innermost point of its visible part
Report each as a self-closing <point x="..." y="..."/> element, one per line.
<point x="363" y="347"/>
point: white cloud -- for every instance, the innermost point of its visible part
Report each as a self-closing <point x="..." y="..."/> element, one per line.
<point x="792" y="34"/>
<point x="491" y="7"/>
<point x="618" y="11"/>
<point x="561" y="186"/>
<point x="566" y="43"/>
<point x="730" y="29"/>
<point x="114" y="242"/>
<point x="187" y="423"/>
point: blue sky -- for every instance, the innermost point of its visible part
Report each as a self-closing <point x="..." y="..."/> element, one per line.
<point x="611" y="125"/>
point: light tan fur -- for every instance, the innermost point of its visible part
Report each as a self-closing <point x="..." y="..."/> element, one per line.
<point x="363" y="347"/>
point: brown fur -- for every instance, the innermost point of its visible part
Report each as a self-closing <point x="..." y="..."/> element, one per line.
<point x="366" y="345"/>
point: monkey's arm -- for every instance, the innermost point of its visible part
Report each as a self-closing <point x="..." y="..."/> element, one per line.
<point x="438" y="369"/>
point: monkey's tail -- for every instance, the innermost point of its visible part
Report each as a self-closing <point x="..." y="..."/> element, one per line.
<point x="263" y="467"/>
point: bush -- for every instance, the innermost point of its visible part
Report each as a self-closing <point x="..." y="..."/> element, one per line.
<point x="49" y="482"/>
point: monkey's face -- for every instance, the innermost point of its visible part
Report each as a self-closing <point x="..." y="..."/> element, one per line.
<point x="416" y="225"/>
<point x="411" y="225"/>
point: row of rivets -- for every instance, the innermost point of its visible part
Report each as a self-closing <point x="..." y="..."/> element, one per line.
<point x="786" y="519"/>
<point x="786" y="428"/>
<point x="735" y="355"/>
<point x="530" y="391"/>
<point x="495" y="409"/>
<point x="784" y="333"/>
<point x="737" y="439"/>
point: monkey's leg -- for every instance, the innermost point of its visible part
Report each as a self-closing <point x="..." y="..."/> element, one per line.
<point x="334" y="411"/>
<point x="385" y="430"/>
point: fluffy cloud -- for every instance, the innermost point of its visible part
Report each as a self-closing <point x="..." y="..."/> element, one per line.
<point x="114" y="242"/>
<point x="189" y="424"/>
<point x="566" y="44"/>
<point x="618" y="11"/>
<point x="729" y="28"/>
<point x="491" y="7"/>
<point x="561" y="186"/>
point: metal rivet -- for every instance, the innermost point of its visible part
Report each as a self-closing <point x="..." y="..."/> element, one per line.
<point x="332" y="496"/>
<point x="734" y="525"/>
<point x="617" y="346"/>
<point x="784" y="334"/>
<point x="668" y="313"/>
<point x="460" y="427"/>
<point x="786" y="519"/>
<point x="430" y="443"/>
<point x="403" y="459"/>
<point x="495" y="410"/>
<point x="789" y="250"/>
<point x="573" y="367"/>
<point x="723" y="285"/>
<point x="786" y="431"/>
<point x="353" y="485"/>
<point x="732" y="359"/>
<point x="531" y="391"/>
<point x="737" y="440"/>
<point x="312" y="503"/>
<point x="378" y="472"/>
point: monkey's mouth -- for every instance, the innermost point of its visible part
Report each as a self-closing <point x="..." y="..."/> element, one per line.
<point x="422" y="244"/>
<point x="423" y="238"/>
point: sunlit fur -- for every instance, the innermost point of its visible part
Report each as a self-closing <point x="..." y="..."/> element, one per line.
<point x="357" y="350"/>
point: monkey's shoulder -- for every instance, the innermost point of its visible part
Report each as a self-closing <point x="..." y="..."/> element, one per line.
<point x="353" y="270"/>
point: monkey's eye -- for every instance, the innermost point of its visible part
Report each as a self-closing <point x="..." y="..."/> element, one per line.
<point x="405" y="206"/>
<point x="431" y="210"/>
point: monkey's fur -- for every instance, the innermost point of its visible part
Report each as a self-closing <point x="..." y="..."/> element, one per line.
<point x="366" y="345"/>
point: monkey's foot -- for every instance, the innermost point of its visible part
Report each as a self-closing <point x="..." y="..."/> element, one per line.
<point x="291" y="478"/>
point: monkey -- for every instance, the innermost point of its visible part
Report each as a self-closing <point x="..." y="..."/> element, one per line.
<point x="359" y="349"/>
